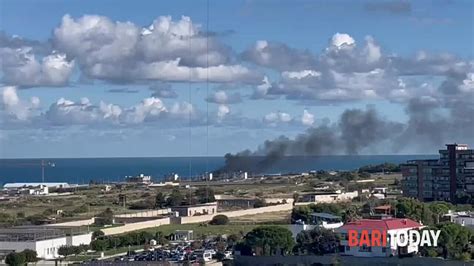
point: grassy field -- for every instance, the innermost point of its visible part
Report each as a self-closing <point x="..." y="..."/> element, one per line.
<point x="282" y="217"/>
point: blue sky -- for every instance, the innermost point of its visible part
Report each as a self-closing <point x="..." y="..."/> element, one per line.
<point x="280" y="68"/>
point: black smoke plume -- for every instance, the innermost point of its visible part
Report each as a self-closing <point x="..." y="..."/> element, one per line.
<point x="356" y="129"/>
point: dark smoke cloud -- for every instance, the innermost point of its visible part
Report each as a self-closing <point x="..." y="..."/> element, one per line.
<point x="355" y="130"/>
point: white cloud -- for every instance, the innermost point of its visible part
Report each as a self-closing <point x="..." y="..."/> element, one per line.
<point x="372" y="50"/>
<point x="221" y="97"/>
<point x="342" y="41"/>
<point x="222" y="112"/>
<point x="307" y="119"/>
<point x="23" y="69"/>
<point x="300" y="74"/>
<point x="275" y="118"/>
<point x="16" y="108"/>
<point x="167" y="50"/>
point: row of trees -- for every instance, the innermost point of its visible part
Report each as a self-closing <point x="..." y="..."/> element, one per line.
<point x="277" y="240"/>
<point x="429" y="213"/>
<point x="176" y="198"/>
<point x="71" y="250"/>
<point x="21" y="258"/>
<point x="454" y="242"/>
<point x="102" y="243"/>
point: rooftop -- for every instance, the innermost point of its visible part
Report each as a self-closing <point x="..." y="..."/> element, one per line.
<point x="385" y="224"/>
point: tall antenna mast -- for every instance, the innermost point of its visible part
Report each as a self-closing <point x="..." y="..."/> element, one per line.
<point x="207" y="102"/>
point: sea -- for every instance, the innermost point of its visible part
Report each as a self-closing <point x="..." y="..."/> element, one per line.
<point x="85" y="170"/>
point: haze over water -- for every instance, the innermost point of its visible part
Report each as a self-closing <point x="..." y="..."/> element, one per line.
<point x="83" y="170"/>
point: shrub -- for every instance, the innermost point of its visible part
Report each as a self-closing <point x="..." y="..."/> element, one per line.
<point x="30" y="255"/>
<point x="15" y="259"/>
<point x="219" y="220"/>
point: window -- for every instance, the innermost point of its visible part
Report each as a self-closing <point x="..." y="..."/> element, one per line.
<point x="348" y="248"/>
<point x="384" y="249"/>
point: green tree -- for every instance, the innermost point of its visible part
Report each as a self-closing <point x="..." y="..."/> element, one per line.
<point x="99" y="245"/>
<point x="301" y="213"/>
<point x="205" y="194"/>
<point x="97" y="234"/>
<point x="15" y="259"/>
<point x="270" y="240"/>
<point x="160" y="200"/>
<point x="175" y="198"/>
<point x="439" y="209"/>
<point x="219" y="219"/>
<point x="316" y="242"/>
<point x="161" y="238"/>
<point x="351" y="214"/>
<point x="64" y="251"/>
<point x="30" y="255"/>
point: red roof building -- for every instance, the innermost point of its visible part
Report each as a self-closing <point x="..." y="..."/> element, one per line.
<point x="384" y="224"/>
<point x="391" y="226"/>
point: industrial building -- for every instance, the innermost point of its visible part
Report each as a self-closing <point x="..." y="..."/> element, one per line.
<point x="448" y="178"/>
<point x="44" y="240"/>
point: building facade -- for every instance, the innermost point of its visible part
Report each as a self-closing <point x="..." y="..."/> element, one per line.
<point x="448" y="178"/>
<point x="45" y="241"/>
<point x="393" y="226"/>
<point x="195" y="210"/>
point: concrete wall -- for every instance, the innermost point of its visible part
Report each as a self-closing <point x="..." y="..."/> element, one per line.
<point x="151" y="213"/>
<point x="193" y="219"/>
<point x="135" y="226"/>
<point x="74" y="223"/>
<point x="206" y="218"/>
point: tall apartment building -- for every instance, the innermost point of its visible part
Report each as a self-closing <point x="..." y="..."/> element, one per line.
<point x="447" y="178"/>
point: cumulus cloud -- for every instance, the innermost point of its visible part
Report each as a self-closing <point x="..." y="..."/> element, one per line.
<point x="275" y="118"/>
<point x="15" y="108"/>
<point x="278" y="56"/>
<point x="20" y="67"/>
<point x="307" y="118"/>
<point x="222" y="112"/>
<point x="83" y="112"/>
<point x="167" y="50"/>
<point x="222" y="97"/>
<point x="341" y="41"/>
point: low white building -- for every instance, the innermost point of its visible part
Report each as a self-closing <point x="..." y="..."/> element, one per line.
<point x="393" y="226"/>
<point x="45" y="241"/>
<point x="462" y="218"/>
<point x="317" y="220"/>
<point x="141" y="179"/>
<point x="328" y="197"/>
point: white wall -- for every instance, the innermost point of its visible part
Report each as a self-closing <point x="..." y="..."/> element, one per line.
<point x="84" y="239"/>
<point x="48" y="249"/>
